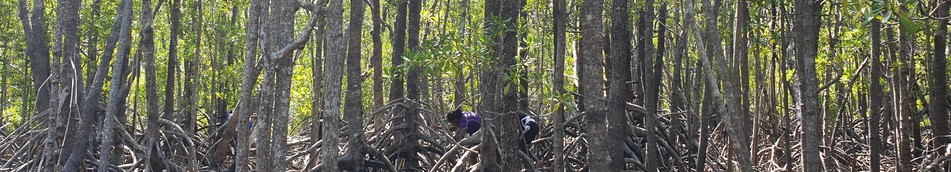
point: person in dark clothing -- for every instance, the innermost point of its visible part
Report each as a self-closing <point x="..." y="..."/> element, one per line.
<point x="530" y="128"/>
<point x="460" y="121"/>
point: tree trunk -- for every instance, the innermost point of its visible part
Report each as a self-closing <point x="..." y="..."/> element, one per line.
<point x="280" y="34"/>
<point x="399" y="46"/>
<point x="249" y="78"/>
<point x="124" y="21"/>
<point x="558" y="118"/>
<point x="67" y="49"/>
<point x="170" y="81"/>
<point x="317" y="103"/>
<point x="4" y="76"/>
<point x="265" y="104"/>
<point x="376" y="60"/>
<point x="38" y="49"/>
<point x="90" y="105"/>
<point x="171" y="73"/>
<point x="709" y="48"/>
<point x="459" y="83"/>
<point x="509" y="132"/>
<point x="489" y="83"/>
<point x="336" y="53"/>
<point x="353" y="105"/>
<point x="190" y="95"/>
<point x="678" y="90"/>
<point x="892" y="110"/>
<point x="875" y="96"/>
<point x="706" y="114"/>
<point x="741" y="65"/>
<point x="154" y="159"/>
<point x="806" y="24"/>
<point x="35" y="32"/>
<point x="938" y="88"/>
<point x="905" y="104"/>
<point x="92" y="37"/>
<point x="651" y="101"/>
<point x="645" y="48"/>
<point x="618" y="88"/>
<point x="196" y="60"/>
<point x="592" y="67"/>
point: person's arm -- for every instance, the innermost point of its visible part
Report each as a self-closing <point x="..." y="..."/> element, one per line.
<point x="460" y="134"/>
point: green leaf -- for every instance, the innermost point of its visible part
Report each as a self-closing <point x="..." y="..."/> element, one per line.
<point x="888" y="15"/>
<point x="906" y="23"/>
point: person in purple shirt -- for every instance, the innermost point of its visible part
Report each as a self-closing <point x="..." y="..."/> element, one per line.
<point x="468" y="121"/>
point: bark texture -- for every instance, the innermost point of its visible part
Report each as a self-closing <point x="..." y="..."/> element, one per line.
<point x="938" y="107"/>
<point x="558" y="118"/>
<point x="618" y="88"/>
<point x="806" y="25"/>
<point x="335" y="55"/>
<point x="591" y="66"/>
<point x="875" y="96"/>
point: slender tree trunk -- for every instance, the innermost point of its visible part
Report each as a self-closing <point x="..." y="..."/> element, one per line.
<point x="67" y="48"/>
<point x="892" y="110"/>
<point x="249" y="78"/>
<point x="92" y="37"/>
<point x="558" y="135"/>
<point x="509" y="132"/>
<point x="171" y="73"/>
<point x="376" y="60"/>
<point x="741" y="66"/>
<point x="125" y="86"/>
<point x="336" y="53"/>
<point x="645" y="48"/>
<point x="678" y="91"/>
<point x="735" y="127"/>
<point x="37" y="49"/>
<point x="938" y="88"/>
<point x="154" y="159"/>
<point x="35" y="32"/>
<point x="124" y="21"/>
<point x="399" y="46"/>
<point x="317" y="103"/>
<point x="618" y="90"/>
<point x="710" y="49"/>
<point x="353" y="105"/>
<point x="280" y="35"/>
<point x="353" y="160"/>
<point x="196" y="61"/>
<point x="678" y="86"/>
<point x="875" y="96"/>
<point x="459" y="83"/>
<point x="807" y="23"/>
<point x="190" y="95"/>
<point x="705" y="118"/>
<point x="489" y="82"/>
<point x="90" y="106"/>
<point x="651" y="101"/>
<point x="265" y="104"/>
<point x="591" y="64"/>
<point x="189" y="107"/>
<point x="905" y="104"/>
<point x="4" y="76"/>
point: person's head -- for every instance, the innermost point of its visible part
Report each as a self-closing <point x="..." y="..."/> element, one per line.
<point x="253" y="120"/>
<point x="453" y="118"/>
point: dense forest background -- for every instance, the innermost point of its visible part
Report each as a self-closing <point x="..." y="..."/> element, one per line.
<point x="330" y="85"/>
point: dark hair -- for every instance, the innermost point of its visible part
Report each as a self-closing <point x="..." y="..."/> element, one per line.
<point x="454" y="115"/>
